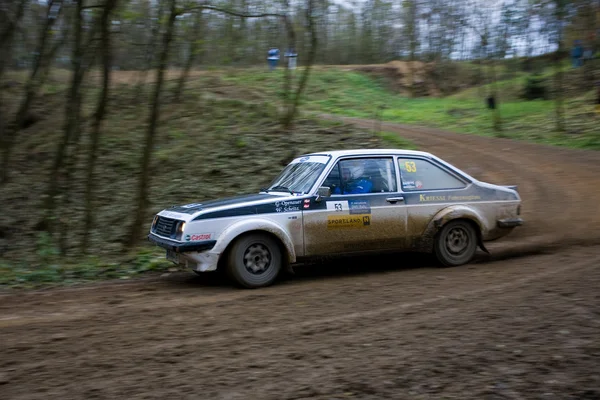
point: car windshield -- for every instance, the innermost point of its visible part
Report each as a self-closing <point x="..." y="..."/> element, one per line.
<point x="300" y="175"/>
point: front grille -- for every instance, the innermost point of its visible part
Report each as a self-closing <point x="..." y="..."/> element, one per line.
<point x="165" y="227"/>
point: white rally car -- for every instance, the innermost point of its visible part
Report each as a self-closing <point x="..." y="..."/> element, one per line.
<point x="340" y="202"/>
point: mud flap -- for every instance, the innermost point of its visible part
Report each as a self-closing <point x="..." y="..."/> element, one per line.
<point x="289" y="268"/>
<point x="481" y="245"/>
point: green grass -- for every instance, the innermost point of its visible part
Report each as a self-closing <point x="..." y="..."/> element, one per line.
<point x="358" y="95"/>
<point x="47" y="268"/>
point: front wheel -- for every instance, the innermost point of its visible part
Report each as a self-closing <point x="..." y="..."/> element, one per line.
<point x="254" y="260"/>
<point x="456" y="243"/>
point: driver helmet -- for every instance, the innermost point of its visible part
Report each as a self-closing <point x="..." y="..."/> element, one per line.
<point x="353" y="169"/>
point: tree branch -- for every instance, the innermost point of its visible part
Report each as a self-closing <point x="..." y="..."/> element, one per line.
<point x="93" y="6"/>
<point x="230" y="12"/>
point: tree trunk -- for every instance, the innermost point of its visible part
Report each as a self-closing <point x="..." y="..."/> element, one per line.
<point x="98" y="118"/>
<point x="410" y="23"/>
<point x="42" y="62"/>
<point x="139" y="91"/>
<point x="71" y="129"/>
<point x="291" y="44"/>
<point x="141" y="202"/>
<point x="497" y="120"/>
<point x="6" y="39"/>
<point x="559" y="106"/>
<point x="291" y="113"/>
<point x="7" y="34"/>
<point x="194" y="49"/>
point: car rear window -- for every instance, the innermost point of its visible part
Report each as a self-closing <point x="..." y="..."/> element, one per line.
<point x="418" y="175"/>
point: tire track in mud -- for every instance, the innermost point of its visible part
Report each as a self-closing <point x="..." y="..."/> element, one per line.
<point x="365" y="325"/>
<point x="222" y="335"/>
<point x="558" y="211"/>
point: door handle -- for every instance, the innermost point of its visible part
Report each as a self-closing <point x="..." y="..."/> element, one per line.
<point x="395" y="199"/>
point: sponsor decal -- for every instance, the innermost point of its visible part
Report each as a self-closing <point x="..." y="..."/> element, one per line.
<point x="337" y="206"/>
<point x="419" y="184"/>
<point x="348" y="222"/>
<point x="463" y="198"/>
<point x="287" y="206"/>
<point x="314" y="159"/>
<point x="423" y="197"/>
<point x="306" y="203"/>
<point x="359" y="206"/>
<point x="409" y="184"/>
<point x="195" y="237"/>
<point x="193" y="205"/>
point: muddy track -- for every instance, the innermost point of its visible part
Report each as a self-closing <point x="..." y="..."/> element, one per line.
<point x="521" y="324"/>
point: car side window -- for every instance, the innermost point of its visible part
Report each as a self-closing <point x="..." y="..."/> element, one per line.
<point x="362" y="175"/>
<point x="416" y="174"/>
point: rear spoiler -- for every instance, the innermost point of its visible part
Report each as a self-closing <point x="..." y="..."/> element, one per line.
<point x="512" y="187"/>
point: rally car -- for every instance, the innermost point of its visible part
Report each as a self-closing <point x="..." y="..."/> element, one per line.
<point x="340" y="203"/>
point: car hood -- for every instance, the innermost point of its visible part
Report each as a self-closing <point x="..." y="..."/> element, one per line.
<point x="236" y="206"/>
<point x="194" y="208"/>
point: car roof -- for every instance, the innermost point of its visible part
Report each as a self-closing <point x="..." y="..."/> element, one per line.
<point x="361" y="152"/>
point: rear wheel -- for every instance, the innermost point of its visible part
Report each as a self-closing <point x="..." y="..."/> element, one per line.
<point x="254" y="260"/>
<point x="456" y="243"/>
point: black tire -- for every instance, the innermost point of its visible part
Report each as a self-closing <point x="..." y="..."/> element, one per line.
<point x="456" y="243"/>
<point x="254" y="260"/>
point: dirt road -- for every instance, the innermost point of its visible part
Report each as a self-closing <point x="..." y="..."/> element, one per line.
<point x="522" y="324"/>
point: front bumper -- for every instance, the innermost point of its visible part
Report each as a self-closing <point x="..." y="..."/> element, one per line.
<point x="195" y="256"/>
<point x="179" y="247"/>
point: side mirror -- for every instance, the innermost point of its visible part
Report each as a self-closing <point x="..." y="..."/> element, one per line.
<point x="323" y="191"/>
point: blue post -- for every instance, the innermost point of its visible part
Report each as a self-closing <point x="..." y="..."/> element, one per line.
<point x="577" y="54"/>
<point x="273" y="58"/>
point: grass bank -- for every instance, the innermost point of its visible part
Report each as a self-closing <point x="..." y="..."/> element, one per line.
<point x="355" y="94"/>
<point x="208" y="146"/>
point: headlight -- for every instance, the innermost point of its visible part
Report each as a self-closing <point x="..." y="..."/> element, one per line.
<point x="180" y="229"/>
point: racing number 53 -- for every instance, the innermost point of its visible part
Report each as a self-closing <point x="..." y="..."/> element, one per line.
<point x="410" y="166"/>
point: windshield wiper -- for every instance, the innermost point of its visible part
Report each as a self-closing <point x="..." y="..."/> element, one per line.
<point x="280" y="187"/>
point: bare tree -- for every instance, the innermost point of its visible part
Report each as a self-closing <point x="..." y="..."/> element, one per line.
<point x="10" y="23"/>
<point x="559" y="15"/>
<point x="291" y="44"/>
<point x="150" y="47"/>
<point x="106" y="56"/>
<point x="482" y="25"/>
<point x="193" y="50"/>
<point x="293" y="105"/>
<point x="141" y="202"/>
<point x="64" y="158"/>
<point x="36" y="79"/>
<point x="411" y="23"/>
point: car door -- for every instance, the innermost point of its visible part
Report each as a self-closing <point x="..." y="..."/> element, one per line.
<point x="428" y="188"/>
<point x="365" y="211"/>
